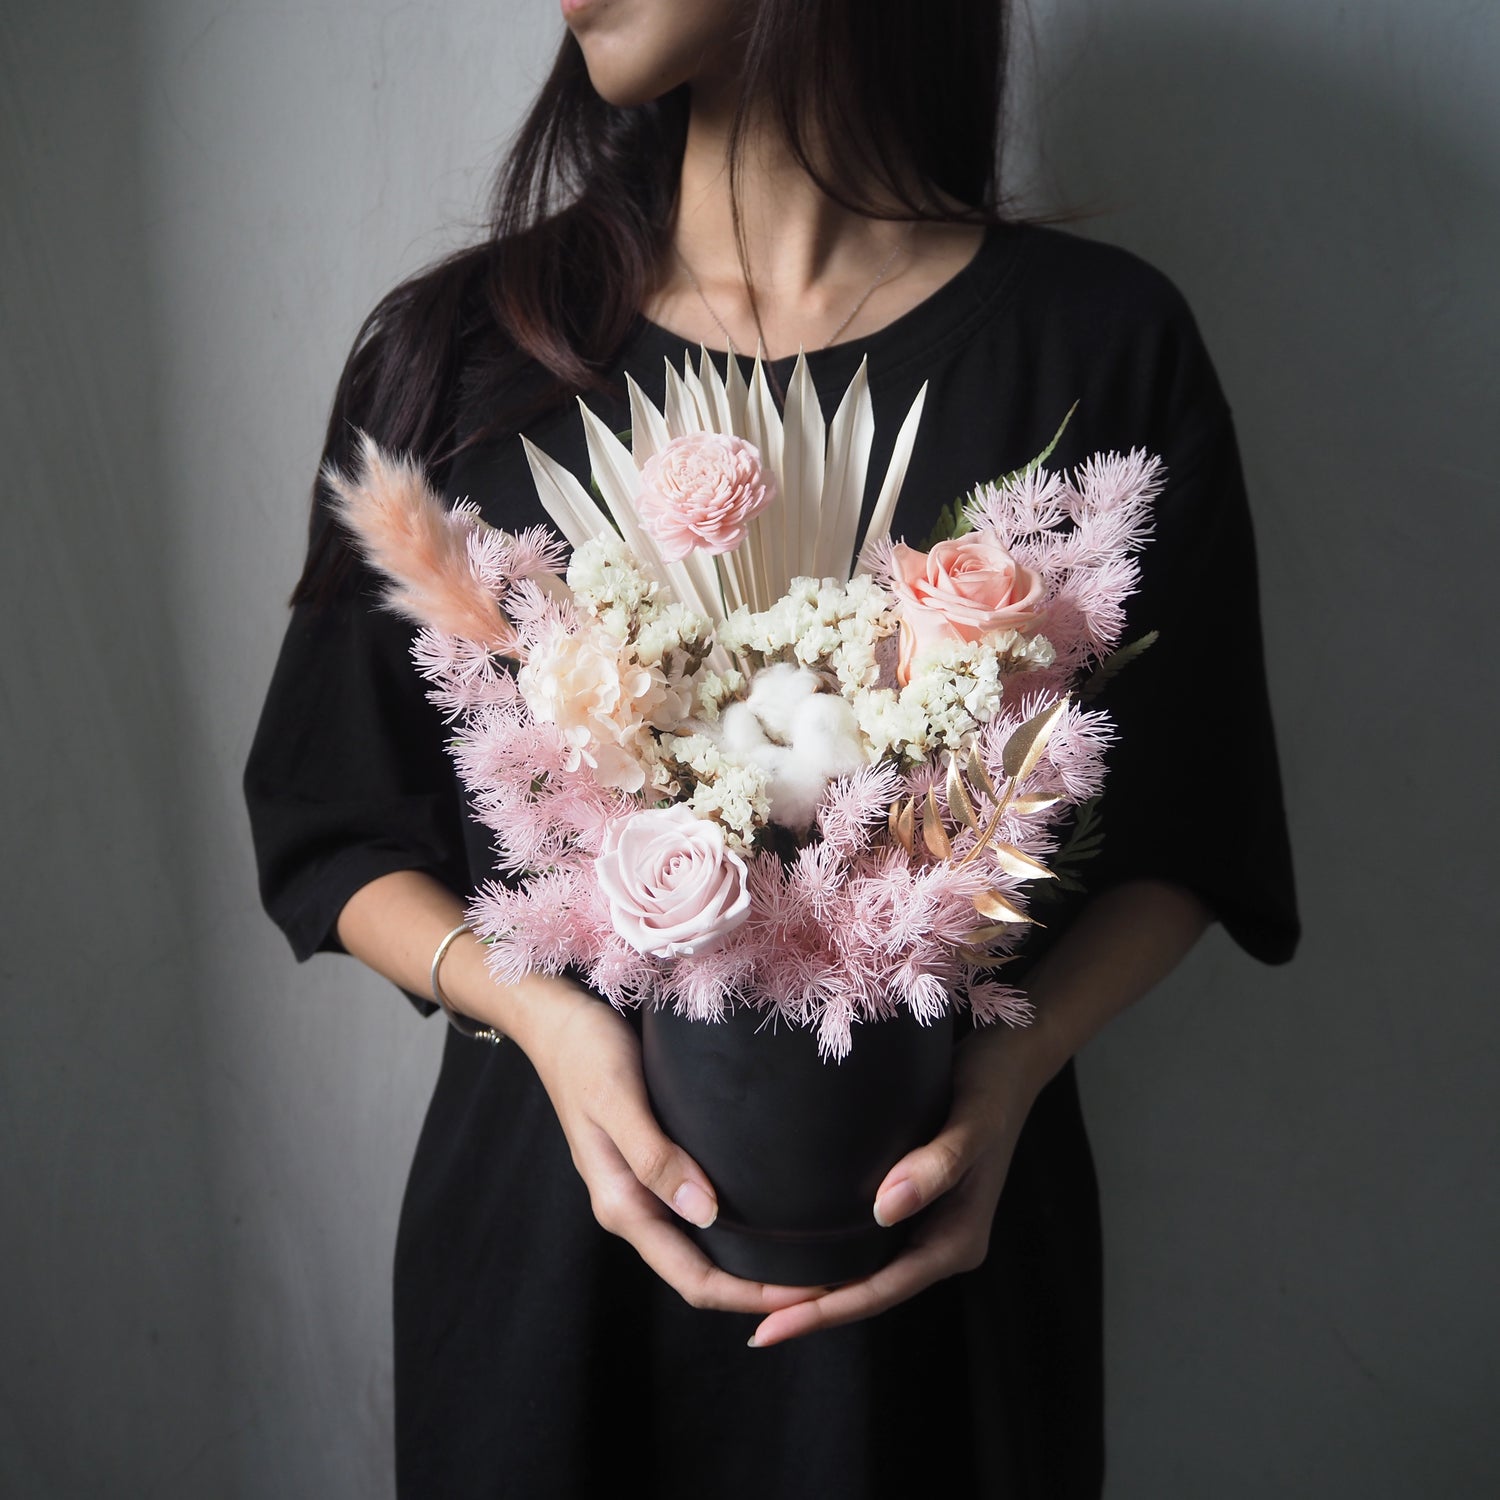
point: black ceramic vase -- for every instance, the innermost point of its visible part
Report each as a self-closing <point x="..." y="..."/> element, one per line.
<point x="794" y="1146"/>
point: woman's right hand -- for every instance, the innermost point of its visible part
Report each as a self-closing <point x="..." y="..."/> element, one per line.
<point x="589" y="1061"/>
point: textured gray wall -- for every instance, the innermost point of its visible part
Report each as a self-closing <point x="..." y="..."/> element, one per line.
<point x="202" y="1146"/>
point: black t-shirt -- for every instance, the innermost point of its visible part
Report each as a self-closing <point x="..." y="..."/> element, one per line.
<point x="535" y="1354"/>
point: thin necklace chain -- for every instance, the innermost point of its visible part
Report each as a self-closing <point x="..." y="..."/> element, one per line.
<point x="885" y="266"/>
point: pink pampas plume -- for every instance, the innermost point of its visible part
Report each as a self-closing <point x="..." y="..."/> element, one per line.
<point x="991" y="1002"/>
<point x="407" y="533"/>
<point x="854" y="808"/>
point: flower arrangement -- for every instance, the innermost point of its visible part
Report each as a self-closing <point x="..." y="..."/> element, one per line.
<point x="724" y="760"/>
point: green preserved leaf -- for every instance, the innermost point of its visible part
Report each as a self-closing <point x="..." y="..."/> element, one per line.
<point x="1122" y="656"/>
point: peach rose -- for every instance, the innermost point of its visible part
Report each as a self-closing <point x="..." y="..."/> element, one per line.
<point x="961" y="590"/>
<point x="700" y="491"/>
<point x="674" y="887"/>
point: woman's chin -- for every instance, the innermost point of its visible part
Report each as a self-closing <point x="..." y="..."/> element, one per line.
<point x="638" y="50"/>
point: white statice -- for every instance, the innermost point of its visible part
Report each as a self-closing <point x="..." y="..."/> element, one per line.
<point x="604" y="579"/>
<point x="955" y="689"/>
<point x="666" y="637"/>
<point x="714" y="688"/>
<point x="668" y="628"/>
<point x="799" y="736"/>
<point x="609" y="588"/>
<point x="731" y="792"/>
<point x="818" y="623"/>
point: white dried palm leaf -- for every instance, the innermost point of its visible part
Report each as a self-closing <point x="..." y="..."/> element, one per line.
<point x="648" y="428"/>
<point x="620" y="483"/>
<point x="762" y="426"/>
<point x="678" y="406"/>
<point x="820" y="471"/>
<point x="571" y="506"/>
<point x="700" y="397"/>
<point x="804" y="452"/>
<point x="849" y="439"/>
<point x="895" y="473"/>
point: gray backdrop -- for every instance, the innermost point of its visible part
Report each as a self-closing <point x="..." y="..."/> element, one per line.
<point x="202" y="1146"/>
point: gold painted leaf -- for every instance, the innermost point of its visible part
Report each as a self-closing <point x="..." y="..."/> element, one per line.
<point x="934" y="835"/>
<point x="958" y="796"/>
<point x="979" y="776"/>
<point x="902" y="822"/>
<point x="1024" y="748"/>
<point x="909" y="825"/>
<point x="978" y="936"/>
<point x="993" y="905"/>
<point x="1018" y="863"/>
<point x="1033" y="802"/>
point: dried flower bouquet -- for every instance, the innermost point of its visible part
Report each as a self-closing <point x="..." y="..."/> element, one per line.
<point x="719" y="762"/>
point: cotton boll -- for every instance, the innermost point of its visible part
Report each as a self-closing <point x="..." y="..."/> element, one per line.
<point x="777" y="693"/>
<point x="825" y="743"/>
<point x="797" y="735"/>
<point x="740" y="732"/>
<point x="818" y="734"/>
<point x="827" y="733"/>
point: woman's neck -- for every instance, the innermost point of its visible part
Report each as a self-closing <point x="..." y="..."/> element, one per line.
<point x="810" y="258"/>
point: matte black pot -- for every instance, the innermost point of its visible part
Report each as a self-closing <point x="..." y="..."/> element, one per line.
<point x="794" y="1146"/>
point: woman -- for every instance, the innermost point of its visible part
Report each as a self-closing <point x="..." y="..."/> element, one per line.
<point x="800" y="174"/>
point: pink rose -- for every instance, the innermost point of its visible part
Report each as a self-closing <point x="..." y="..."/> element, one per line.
<point x="959" y="591"/>
<point x="674" y="888"/>
<point x="700" y="491"/>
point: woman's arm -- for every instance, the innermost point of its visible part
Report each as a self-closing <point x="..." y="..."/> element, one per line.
<point x="394" y="924"/>
<point x="1121" y="944"/>
<point x="589" y="1061"/>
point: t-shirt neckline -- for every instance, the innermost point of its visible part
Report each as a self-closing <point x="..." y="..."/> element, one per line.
<point x="914" y="332"/>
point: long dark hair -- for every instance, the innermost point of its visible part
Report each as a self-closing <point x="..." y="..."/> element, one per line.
<point x="581" y="216"/>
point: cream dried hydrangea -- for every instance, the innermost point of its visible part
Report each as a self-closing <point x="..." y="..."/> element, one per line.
<point x="605" y="702"/>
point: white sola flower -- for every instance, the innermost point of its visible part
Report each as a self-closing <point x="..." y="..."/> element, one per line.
<point x="800" y="512"/>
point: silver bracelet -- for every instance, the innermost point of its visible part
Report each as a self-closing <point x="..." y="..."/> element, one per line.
<point x="460" y="1023"/>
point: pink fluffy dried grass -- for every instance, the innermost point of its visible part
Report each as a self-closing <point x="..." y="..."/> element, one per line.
<point x="409" y="535"/>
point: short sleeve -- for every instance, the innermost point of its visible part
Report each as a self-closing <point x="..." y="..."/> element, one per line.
<point x="1194" y="786"/>
<point x="348" y="776"/>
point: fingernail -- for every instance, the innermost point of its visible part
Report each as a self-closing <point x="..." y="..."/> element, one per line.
<point x="750" y="1343"/>
<point x="895" y="1203"/>
<point x="695" y="1205"/>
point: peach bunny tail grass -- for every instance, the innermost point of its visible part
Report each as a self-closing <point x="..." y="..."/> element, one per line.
<point x="409" y="535"/>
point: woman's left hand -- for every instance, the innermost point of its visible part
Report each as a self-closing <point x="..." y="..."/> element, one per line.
<point x="964" y="1166"/>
